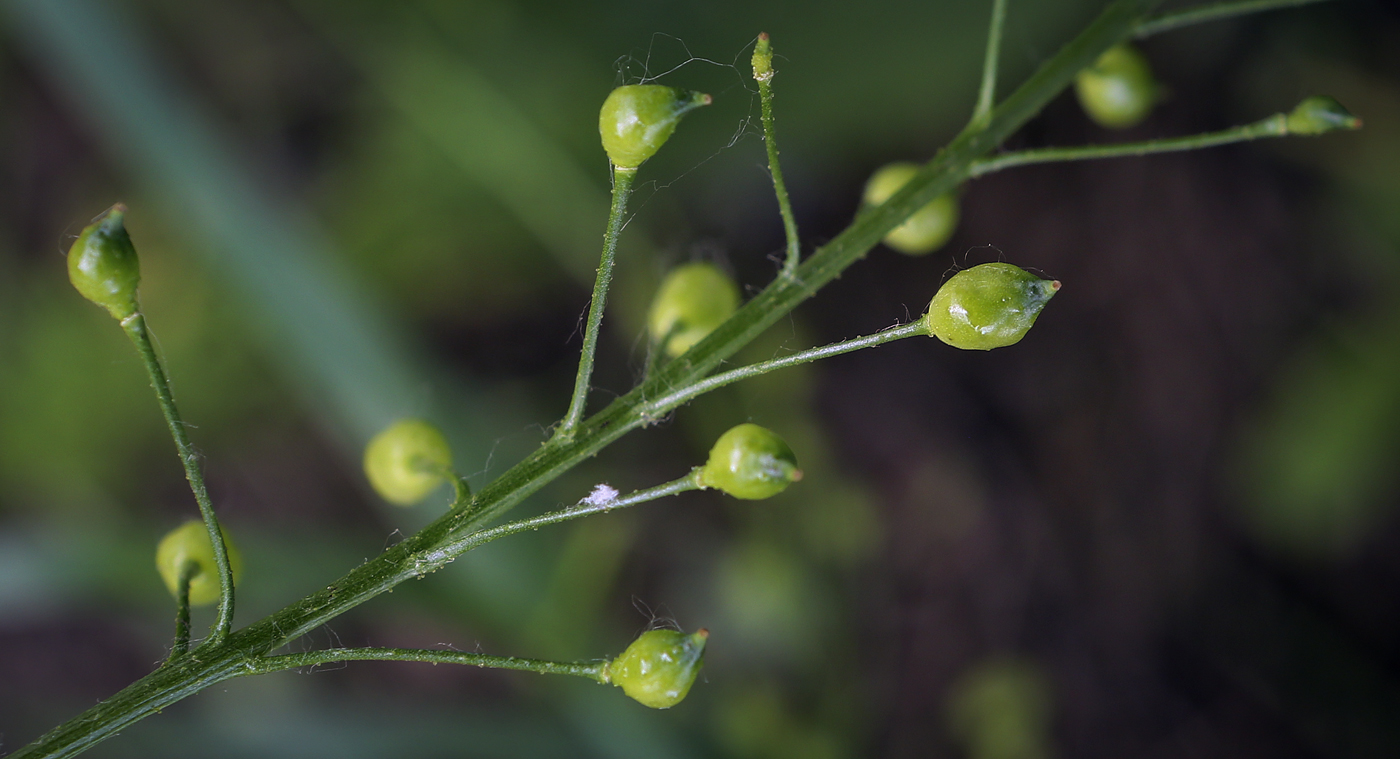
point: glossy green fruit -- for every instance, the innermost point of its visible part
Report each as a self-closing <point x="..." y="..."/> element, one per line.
<point x="988" y="306"/>
<point x="407" y="461"/>
<point x="1118" y="91"/>
<point x="693" y="299"/>
<point x="102" y="264"/>
<point x="929" y="228"/>
<point x="637" y="119"/>
<point x="189" y="543"/>
<point x="1320" y="114"/>
<point x="750" y="462"/>
<point x="660" y="666"/>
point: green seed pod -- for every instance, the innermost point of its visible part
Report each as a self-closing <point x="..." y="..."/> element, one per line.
<point x="1320" y="114"/>
<point x="659" y="667"/>
<point x="1118" y="91"/>
<point x="988" y="306"/>
<point x="637" y="119"/>
<point x="750" y="462"/>
<point x="102" y="264"/>
<point x="407" y="461"/>
<point x="189" y="543"/>
<point x="693" y="299"/>
<point x="929" y="228"/>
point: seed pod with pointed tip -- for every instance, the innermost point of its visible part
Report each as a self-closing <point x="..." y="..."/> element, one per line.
<point x="659" y="667"/>
<point x="637" y="119"/>
<point x="407" y="461"/>
<point x="693" y="299"/>
<point x="988" y="306"/>
<point x="925" y="231"/>
<point x="102" y="264"/>
<point x="1320" y="114"/>
<point x="750" y="462"/>
<point x="1118" y="91"/>
<point x="189" y="544"/>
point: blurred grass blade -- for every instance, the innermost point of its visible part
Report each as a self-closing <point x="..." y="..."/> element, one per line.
<point x="350" y="360"/>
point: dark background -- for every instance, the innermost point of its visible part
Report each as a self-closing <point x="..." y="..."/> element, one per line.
<point x="1160" y="526"/>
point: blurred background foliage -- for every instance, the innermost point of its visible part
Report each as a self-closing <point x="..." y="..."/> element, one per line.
<point x="1163" y="525"/>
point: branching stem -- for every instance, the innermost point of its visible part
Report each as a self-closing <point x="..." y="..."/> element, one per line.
<point x="1273" y="126"/>
<point x="182" y="610"/>
<point x="135" y="327"/>
<point x="986" y="96"/>
<point x="596" y="671"/>
<point x="763" y="74"/>
<point x="622" y="188"/>
<point x="1211" y="12"/>
<point x="670" y="401"/>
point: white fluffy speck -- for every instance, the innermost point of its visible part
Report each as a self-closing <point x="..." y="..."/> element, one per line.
<point x="602" y="495"/>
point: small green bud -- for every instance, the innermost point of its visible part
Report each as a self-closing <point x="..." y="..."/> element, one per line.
<point x="1118" y="91"/>
<point x="407" y="461"/>
<point x="929" y="228"/>
<point x="659" y="667"/>
<point x="750" y="462"/>
<point x="988" y="306"/>
<point x="1320" y="114"/>
<point x="693" y="299"/>
<point x="189" y="544"/>
<point x="762" y="58"/>
<point x="637" y="119"/>
<point x="102" y="264"/>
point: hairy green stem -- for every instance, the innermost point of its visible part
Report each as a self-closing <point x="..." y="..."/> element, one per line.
<point x="182" y="610"/>
<point x="1273" y="126"/>
<point x="669" y="401"/>
<point x="1213" y="12"/>
<point x="596" y="671"/>
<point x="763" y="74"/>
<point x="428" y="549"/>
<point x="986" y="95"/>
<point x="135" y="326"/>
<point x="622" y="188"/>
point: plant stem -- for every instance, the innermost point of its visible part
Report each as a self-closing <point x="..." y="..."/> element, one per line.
<point x="622" y="188"/>
<point x="135" y="326"/>
<point x="1273" y="126"/>
<point x="1211" y="12"/>
<point x="665" y="403"/>
<point x="182" y="610"/>
<point x="596" y="671"/>
<point x="763" y="74"/>
<point x="986" y="97"/>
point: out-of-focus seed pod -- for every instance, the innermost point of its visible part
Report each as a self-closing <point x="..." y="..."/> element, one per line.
<point x="102" y="264"/>
<point x="1320" y="114"/>
<point x="659" y="667"/>
<point x="189" y="544"/>
<point x="637" y="119"/>
<point x="929" y="228"/>
<point x="750" y="462"/>
<point x="407" y="461"/>
<point x="1118" y="91"/>
<point x="988" y="306"/>
<point x="693" y="299"/>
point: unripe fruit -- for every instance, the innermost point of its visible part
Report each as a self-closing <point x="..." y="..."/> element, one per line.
<point x="750" y="462"/>
<point x="407" y="461"/>
<point x="102" y="264"/>
<point x="929" y="228"/>
<point x="189" y="544"/>
<point x="693" y="299"/>
<point x="659" y="667"/>
<point x="637" y="119"/>
<point x="988" y="306"/>
<point x="1118" y="91"/>
<point x="1320" y="114"/>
